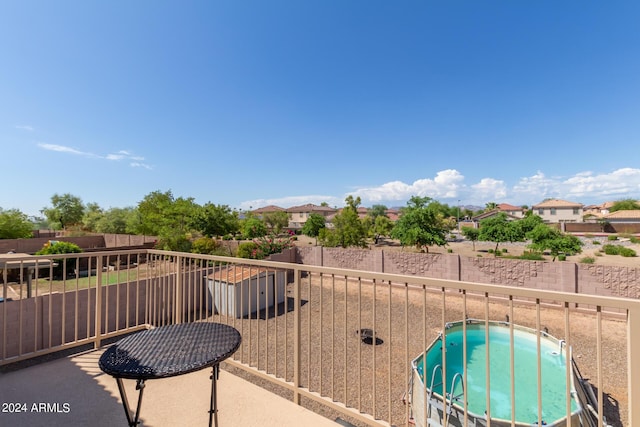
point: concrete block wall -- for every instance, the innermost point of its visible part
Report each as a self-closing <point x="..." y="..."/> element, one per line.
<point x="555" y="276"/>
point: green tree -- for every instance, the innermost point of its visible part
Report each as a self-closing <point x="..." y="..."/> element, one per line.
<point x="14" y="225"/>
<point x="544" y="237"/>
<point x="382" y="227"/>
<point x="92" y="215"/>
<point x="420" y="225"/>
<point x="276" y="221"/>
<point x="66" y="210"/>
<point x="499" y="229"/>
<point x="253" y="228"/>
<point x="376" y="211"/>
<point x="172" y="220"/>
<point x="216" y="220"/>
<point x="115" y="221"/>
<point x="348" y="229"/>
<point x="472" y="234"/>
<point x="527" y="224"/>
<point x="625" y="205"/>
<point x="313" y="225"/>
<point x="490" y="206"/>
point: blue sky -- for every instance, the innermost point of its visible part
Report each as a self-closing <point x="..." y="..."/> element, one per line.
<point x="250" y="103"/>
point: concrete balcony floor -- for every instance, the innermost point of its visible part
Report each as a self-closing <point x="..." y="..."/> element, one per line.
<point x="80" y="394"/>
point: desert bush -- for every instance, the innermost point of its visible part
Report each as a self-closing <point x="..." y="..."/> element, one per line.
<point x="627" y="252"/>
<point x="611" y="249"/>
<point x="531" y="256"/>
<point x="595" y="242"/>
<point x="588" y="260"/>
<point x="612" y="237"/>
<point x="562" y="257"/>
<point x="207" y="246"/>
<point x="246" y="249"/>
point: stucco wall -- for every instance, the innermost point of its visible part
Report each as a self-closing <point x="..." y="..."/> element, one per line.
<point x="556" y="276"/>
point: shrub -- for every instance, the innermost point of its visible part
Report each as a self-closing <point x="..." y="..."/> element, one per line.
<point x="55" y="247"/>
<point x="588" y="260"/>
<point x="266" y="246"/>
<point x="595" y="242"/>
<point x="205" y="245"/>
<point x="245" y="249"/>
<point x="531" y="256"/>
<point x="504" y="250"/>
<point x="627" y="252"/>
<point x="611" y="249"/>
<point x="612" y="237"/>
<point x="450" y="250"/>
<point x="227" y="237"/>
<point x="490" y="251"/>
<point x="562" y="257"/>
<point x="634" y="239"/>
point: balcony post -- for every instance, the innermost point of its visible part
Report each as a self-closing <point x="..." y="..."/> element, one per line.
<point x="178" y="291"/>
<point x="296" y="335"/>
<point x="633" y="370"/>
<point x="96" y="342"/>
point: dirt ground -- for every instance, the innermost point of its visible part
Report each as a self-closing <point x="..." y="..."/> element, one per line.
<point x="582" y="326"/>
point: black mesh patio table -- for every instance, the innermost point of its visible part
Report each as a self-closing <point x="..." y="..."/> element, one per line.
<point x="168" y="351"/>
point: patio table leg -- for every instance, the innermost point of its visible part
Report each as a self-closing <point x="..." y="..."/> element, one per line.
<point x="133" y="422"/>
<point x="213" y="404"/>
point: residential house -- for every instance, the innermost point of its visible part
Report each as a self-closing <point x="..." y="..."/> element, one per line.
<point x="515" y="211"/>
<point x="558" y="211"/>
<point x="298" y="215"/>
<point x="474" y="222"/>
<point x="260" y="212"/>
<point x="596" y="211"/>
<point x="623" y="217"/>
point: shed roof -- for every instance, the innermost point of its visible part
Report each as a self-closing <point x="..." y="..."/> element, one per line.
<point x="237" y="273"/>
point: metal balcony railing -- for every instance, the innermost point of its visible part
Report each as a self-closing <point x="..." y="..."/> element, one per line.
<point x="331" y="339"/>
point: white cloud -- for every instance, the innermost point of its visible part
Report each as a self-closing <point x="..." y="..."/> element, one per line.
<point x="136" y="161"/>
<point x="140" y="165"/>
<point x="446" y="184"/>
<point x="489" y="189"/>
<point x="25" y="127"/>
<point x="448" y="187"/>
<point x="621" y="183"/>
<point x="64" y="149"/>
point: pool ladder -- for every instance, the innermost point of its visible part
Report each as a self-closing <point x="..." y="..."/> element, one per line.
<point x="450" y="397"/>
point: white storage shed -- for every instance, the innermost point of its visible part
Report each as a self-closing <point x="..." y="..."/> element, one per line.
<point x="241" y="290"/>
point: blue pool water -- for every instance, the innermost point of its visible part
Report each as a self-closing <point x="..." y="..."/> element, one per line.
<point x="553" y="369"/>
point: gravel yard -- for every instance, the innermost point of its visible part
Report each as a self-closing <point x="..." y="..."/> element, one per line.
<point x="330" y="342"/>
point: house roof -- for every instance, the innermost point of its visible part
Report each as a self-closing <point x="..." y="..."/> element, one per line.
<point x="557" y="203"/>
<point x="310" y="207"/>
<point x="627" y="214"/>
<point x="494" y="212"/>
<point x="270" y="208"/>
<point x="508" y="207"/>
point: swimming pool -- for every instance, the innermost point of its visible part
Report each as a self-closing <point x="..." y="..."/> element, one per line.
<point x="427" y="378"/>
